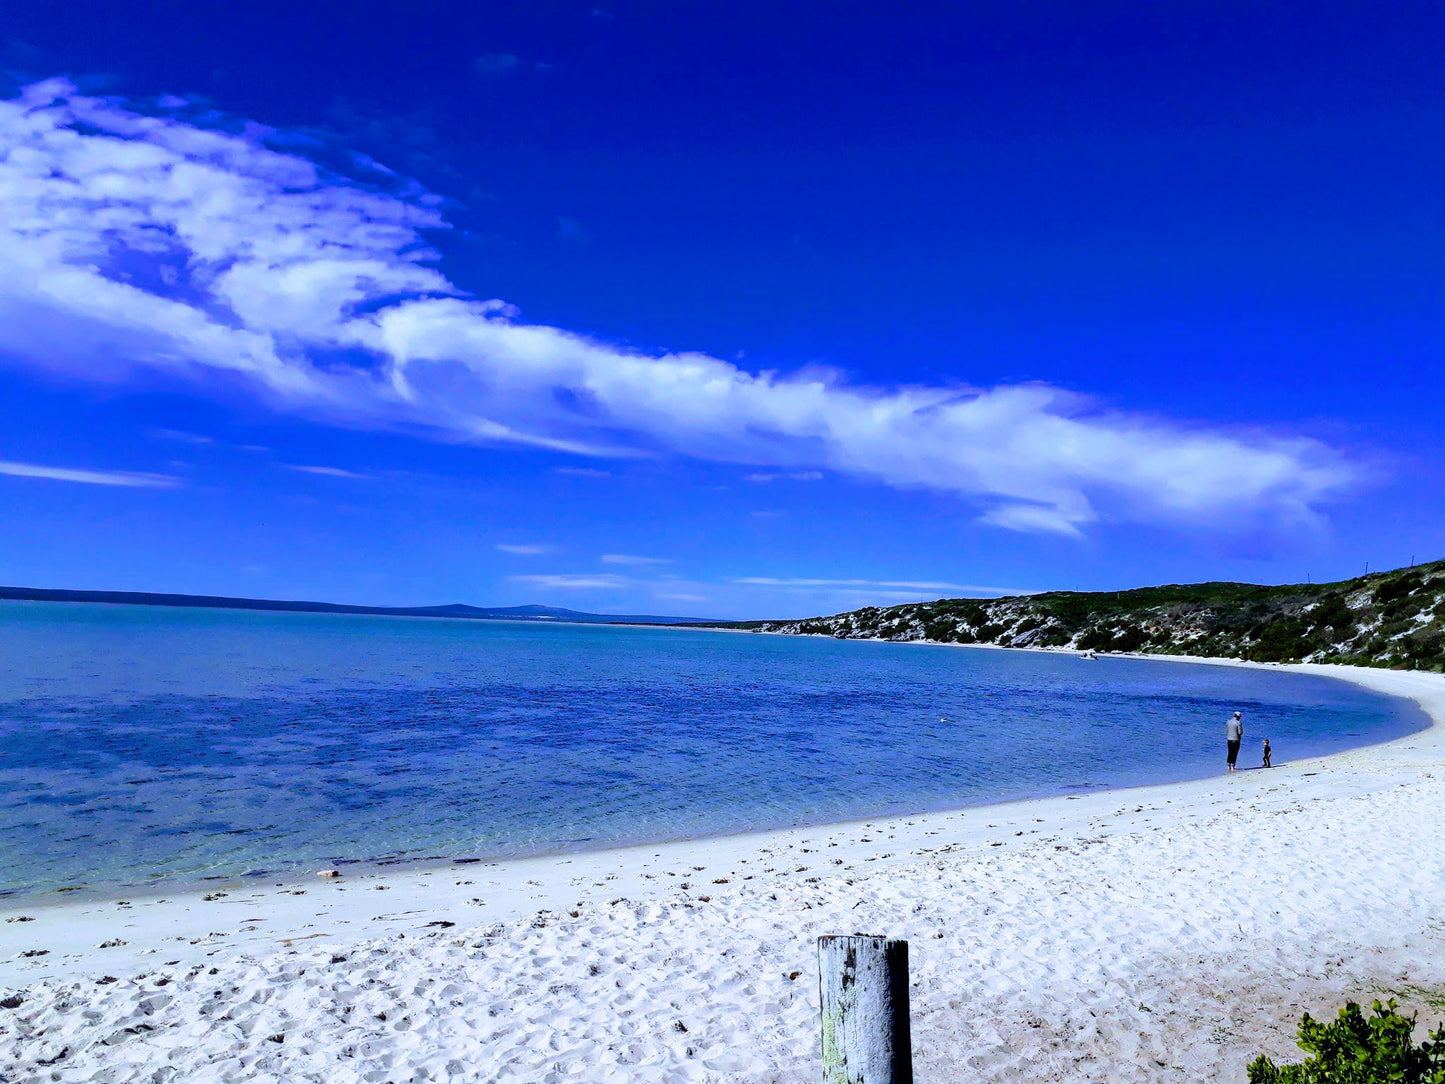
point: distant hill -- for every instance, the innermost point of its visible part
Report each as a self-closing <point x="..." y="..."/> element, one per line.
<point x="456" y="610"/>
<point x="1394" y="619"/>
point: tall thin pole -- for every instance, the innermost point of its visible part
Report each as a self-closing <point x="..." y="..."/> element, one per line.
<point x="863" y="990"/>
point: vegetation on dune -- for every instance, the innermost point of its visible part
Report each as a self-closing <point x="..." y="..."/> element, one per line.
<point x="1355" y="1049"/>
<point x="1394" y="619"/>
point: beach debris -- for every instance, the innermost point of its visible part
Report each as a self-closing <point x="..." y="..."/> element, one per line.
<point x="14" y="1001"/>
<point x="114" y="942"/>
<point x="53" y="1058"/>
<point x="328" y="873"/>
<point x="21" y="918"/>
<point x="32" y="953"/>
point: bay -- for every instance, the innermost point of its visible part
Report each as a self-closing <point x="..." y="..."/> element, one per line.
<point x="147" y="748"/>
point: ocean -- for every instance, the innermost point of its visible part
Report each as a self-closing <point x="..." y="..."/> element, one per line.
<point x="145" y="748"/>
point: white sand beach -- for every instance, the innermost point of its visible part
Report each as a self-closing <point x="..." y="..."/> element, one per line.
<point x="1167" y="933"/>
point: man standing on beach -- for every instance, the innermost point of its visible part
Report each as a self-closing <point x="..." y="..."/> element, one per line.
<point x="1233" y="735"/>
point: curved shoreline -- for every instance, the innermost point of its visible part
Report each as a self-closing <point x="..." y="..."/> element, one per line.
<point x="290" y="875"/>
<point x="182" y="924"/>
<point x="1151" y="935"/>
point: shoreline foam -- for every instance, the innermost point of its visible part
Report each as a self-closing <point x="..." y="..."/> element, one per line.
<point x="1278" y="890"/>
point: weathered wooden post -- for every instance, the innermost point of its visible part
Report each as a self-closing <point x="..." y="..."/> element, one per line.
<point x="863" y="986"/>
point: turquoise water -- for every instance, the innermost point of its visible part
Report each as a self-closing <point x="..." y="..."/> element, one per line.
<point x="142" y="746"/>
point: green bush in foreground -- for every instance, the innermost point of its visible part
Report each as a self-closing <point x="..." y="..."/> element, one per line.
<point x="1357" y="1050"/>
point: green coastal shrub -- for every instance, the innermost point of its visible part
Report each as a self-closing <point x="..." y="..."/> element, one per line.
<point x="1426" y="651"/>
<point x="1129" y="638"/>
<point x="1334" y="613"/>
<point x="941" y="629"/>
<point x="1398" y="588"/>
<point x="1356" y="1049"/>
<point x="1281" y="640"/>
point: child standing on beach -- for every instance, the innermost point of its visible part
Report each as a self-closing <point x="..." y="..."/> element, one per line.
<point x="1266" y="752"/>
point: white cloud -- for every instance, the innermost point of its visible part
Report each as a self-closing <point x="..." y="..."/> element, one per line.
<point x="522" y="550"/>
<point x="133" y="241"/>
<point x="631" y="559"/>
<point x="583" y="472"/>
<point x="131" y="479"/>
<point x="576" y="581"/>
<point x="180" y="436"/>
<point x="912" y="586"/>
<point x="792" y="475"/>
<point x="326" y="472"/>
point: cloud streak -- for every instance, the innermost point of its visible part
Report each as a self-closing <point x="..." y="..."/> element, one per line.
<point x="584" y="581"/>
<point x="795" y="476"/>
<point x="189" y="244"/>
<point x="521" y="550"/>
<point x="911" y="586"/>
<point x="122" y="478"/>
<point x="633" y="559"/>
<point x="327" y="472"/>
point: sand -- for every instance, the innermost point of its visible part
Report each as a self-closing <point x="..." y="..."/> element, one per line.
<point x="1164" y="933"/>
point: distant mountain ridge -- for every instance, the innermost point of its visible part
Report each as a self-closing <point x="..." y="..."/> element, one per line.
<point x="1394" y="619"/>
<point x="456" y="610"/>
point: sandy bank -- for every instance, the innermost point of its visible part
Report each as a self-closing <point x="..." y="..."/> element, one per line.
<point x="1149" y="934"/>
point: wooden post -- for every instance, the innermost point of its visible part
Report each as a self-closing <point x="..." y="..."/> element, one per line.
<point x="863" y="987"/>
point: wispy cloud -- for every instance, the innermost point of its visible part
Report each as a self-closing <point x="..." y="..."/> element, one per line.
<point x="180" y="436"/>
<point x="139" y="241"/>
<point x="523" y="550"/>
<point x="791" y="475"/>
<point x="875" y="585"/>
<point x="575" y="581"/>
<point x="132" y="479"/>
<point x="327" y="472"/>
<point x="632" y="559"/>
<point x="584" y="472"/>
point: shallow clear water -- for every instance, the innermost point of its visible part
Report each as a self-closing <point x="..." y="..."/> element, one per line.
<point x="149" y="746"/>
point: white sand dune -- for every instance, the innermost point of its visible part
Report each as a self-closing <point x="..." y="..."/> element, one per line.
<point x="1158" y="934"/>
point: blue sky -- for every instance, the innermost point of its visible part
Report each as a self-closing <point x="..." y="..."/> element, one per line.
<point x="717" y="309"/>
